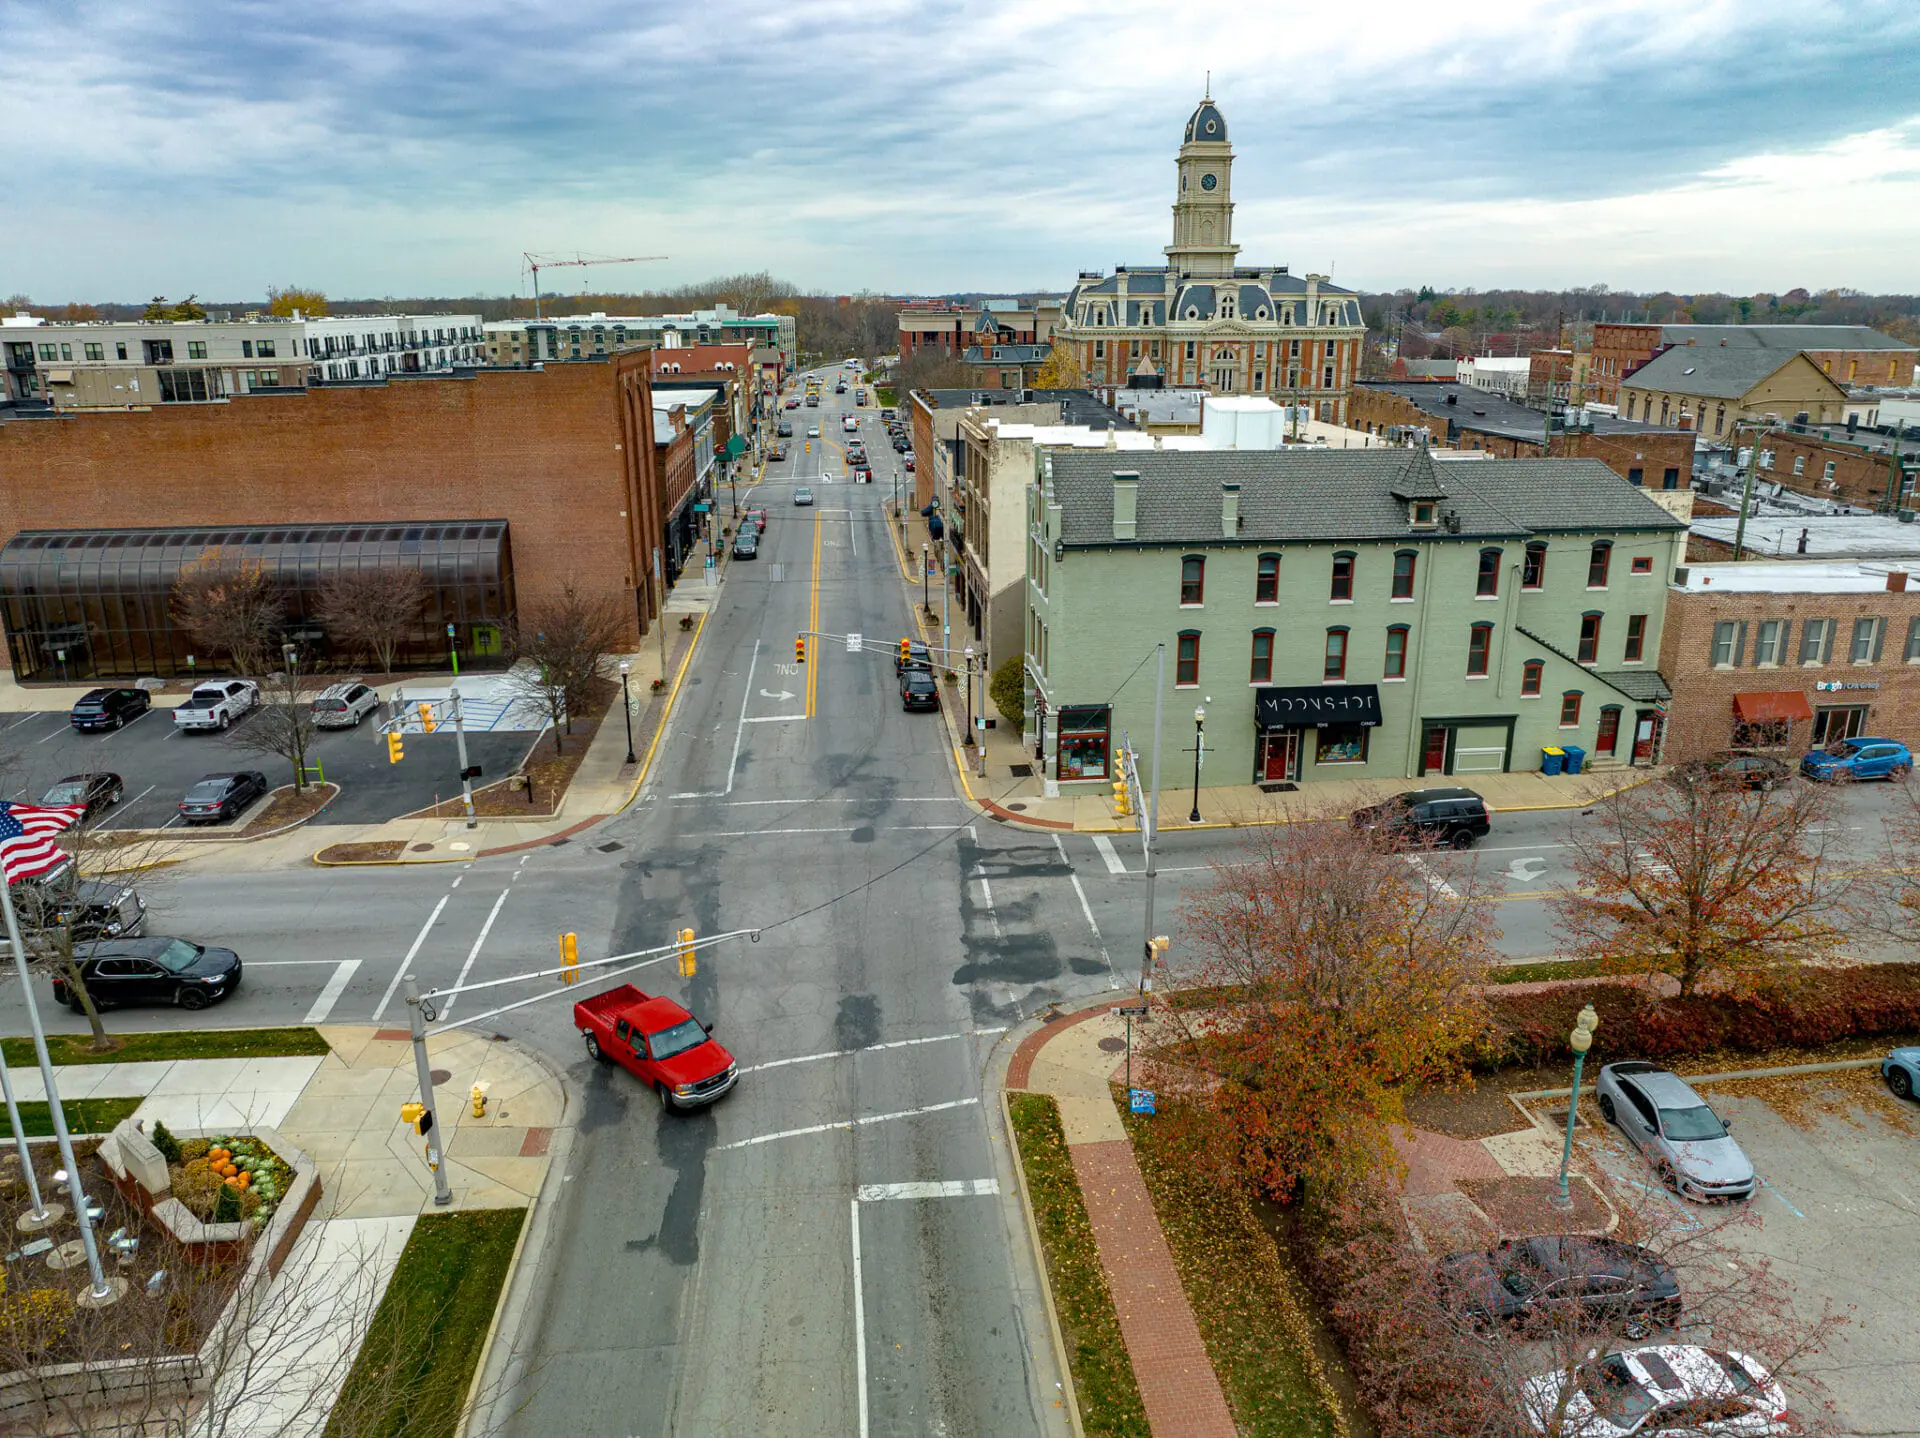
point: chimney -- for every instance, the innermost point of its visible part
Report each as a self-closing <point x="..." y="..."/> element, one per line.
<point x="1125" y="501"/>
<point x="1896" y="581"/>
<point x="1230" y="511"/>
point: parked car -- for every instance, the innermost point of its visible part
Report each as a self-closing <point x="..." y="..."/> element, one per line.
<point x="109" y="708"/>
<point x="96" y="791"/>
<point x="216" y="704"/>
<point x="1453" y="817"/>
<point x="1670" y="1388"/>
<point x="746" y="543"/>
<point x="659" y="1043"/>
<point x="343" y="706"/>
<point x="1683" y="1138"/>
<point x="784" y="429"/>
<point x="918" y="691"/>
<point x="918" y="657"/>
<point x="803" y="496"/>
<point x="813" y="431"/>
<point x="1736" y="768"/>
<point x="908" y="463"/>
<point x="777" y="453"/>
<point x="153" y="970"/>
<point x="1596" y="1278"/>
<point x="1852" y="759"/>
<point x="887" y="413"/>
<point x="218" y="798"/>
<point x="757" y="518"/>
<point x="793" y="402"/>
<point x="1901" y="1070"/>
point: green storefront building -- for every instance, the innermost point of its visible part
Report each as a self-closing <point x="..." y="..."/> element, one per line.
<point x="1342" y="613"/>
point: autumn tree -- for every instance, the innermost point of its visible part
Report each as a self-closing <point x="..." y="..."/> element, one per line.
<point x="1061" y="370"/>
<point x="283" y="302"/>
<point x="1329" y="975"/>
<point x="229" y="606"/>
<point x="560" y="649"/>
<point x="1696" y="879"/>
<point x="373" y="611"/>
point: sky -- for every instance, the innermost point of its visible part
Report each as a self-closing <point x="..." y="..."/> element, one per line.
<point x="417" y="147"/>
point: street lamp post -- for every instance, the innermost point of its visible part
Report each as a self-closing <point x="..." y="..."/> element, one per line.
<point x="626" y="706"/>
<point x="969" y="741"/>
<point x="925" y="560"/>
<point x="1199" y="742"/>
<point x="453" y="651"/>
<point x="1580" y="1040"/>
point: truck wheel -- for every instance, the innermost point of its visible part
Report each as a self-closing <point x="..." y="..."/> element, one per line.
<point x="593" y="1050"/>
<point x="225" y="721"/>
<point x="666" y="1099"/>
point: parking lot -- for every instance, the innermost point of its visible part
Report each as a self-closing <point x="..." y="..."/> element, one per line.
<point x="159" y="764"/>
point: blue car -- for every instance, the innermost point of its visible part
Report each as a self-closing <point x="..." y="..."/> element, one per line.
<point x="1859" y="759"/>
<point x="1901" y="1070"/>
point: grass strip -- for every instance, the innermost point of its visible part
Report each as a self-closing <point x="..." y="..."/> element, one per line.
<point x="1103" y="1378"/>
<point x="416" y="1362"/>
<point x="1544" y="969"/>
<point x="1244" y="1294"/>
<point x="185" y="1044"/>
<point x="84" y="1115"/>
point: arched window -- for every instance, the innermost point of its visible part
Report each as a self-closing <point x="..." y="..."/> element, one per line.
<point x="1533" y="571"/>
<point x="1530" y="674"/>
<point x="1186" y="664"/>
<point x="1342" y="585"/>
<point x="1488" y="582"/>
<point x="1589" y="651"/>
<point x="1479" y="649"/>
<point x="1396" y="665"/>
<point x="1597" y="563"/>
<point x="1570" y="709"/>
<point x="1336" y="663"/>
<point x="1193" y="576"/>
<point x="1404" y="561"/>
<point x="1262" y="668"/>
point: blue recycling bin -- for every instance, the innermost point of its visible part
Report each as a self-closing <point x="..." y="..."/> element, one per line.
<point x="1551" y="760"/>
<point x="1576" y="756"/>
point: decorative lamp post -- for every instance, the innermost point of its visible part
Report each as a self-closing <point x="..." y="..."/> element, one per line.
<point x="1199" y="743"/>
<point x="626" y="707"/>
<point x="1580" y="1040"/>
<point x="969" y="741"/>
<point x="925" y="564"/>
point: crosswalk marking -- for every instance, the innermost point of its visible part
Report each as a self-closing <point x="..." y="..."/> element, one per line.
<point x="942" y="1188"/>
<point x="1103" y="846"/>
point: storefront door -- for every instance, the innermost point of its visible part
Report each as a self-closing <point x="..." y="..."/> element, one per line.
<point x="1646" y="735"/>
<point x="1834" y="722"/>
<point x="1279" y="755"/>
<point x="1433" y="751"/>
<point x="1608" y="739"/>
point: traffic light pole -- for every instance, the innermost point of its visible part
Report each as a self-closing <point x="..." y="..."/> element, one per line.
<point x="1150" y="815"/>
<point x="442" y="1194"/>
<point x="466" y="774"/>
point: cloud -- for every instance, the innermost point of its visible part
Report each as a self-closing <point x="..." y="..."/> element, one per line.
<point x="417" y="146"/>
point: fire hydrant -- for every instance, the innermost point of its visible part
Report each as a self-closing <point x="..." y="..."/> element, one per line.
<point x="479" y="1100"/>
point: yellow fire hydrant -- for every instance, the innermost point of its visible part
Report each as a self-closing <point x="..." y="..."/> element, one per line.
<point x="479" y="1100"/>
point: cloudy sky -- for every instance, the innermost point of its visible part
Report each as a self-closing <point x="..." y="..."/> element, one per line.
<point x="409" y="147"/>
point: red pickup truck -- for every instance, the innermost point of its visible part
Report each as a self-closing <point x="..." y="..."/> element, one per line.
<point x="663" y="1045"/>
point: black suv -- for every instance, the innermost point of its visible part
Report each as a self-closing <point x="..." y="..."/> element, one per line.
<point x="109" y="708"/>
<point x="1450" y="817"/>
<point x="918" y="691"/>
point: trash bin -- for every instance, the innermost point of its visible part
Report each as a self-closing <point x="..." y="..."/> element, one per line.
<point x="1551" y="760"/>
<point x="1576" y="756"/>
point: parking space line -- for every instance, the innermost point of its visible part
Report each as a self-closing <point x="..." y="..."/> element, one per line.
<point x="123" y="805"/>
<point x="1782" y="1197"/>
<point x="27" y="718"/>
<point x="330" y="995"/>
<point x="406" y="963"/>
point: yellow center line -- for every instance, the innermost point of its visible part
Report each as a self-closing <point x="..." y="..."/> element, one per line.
<point x="813" y="619"/>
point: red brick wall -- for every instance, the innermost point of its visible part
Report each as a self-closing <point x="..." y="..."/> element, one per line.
<point x="550" y="451"/>
<point x="1858" y="477"/>
<point x="1618" y="349"/>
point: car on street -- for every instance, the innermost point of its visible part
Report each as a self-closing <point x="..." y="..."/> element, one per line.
<point x="859" y="396"/>
<point x="813" y="431"/>
<point x="1453" y="818"/>
<point x="777" y="453"/>
<point x="746" y="543"/>
<point x="887" y="413"/>
<point x="899" y="445"/>
<point x="803" y="496"/>
<point x="216" y="704"/>
<point x="793" y="403"/>
<point x="907" y="463"/>
<point x="918" y="656"/>
<point x="755" y="517"/>
<point x="1863" y="758"/>
<point x="1685" y="1141"/>
<point x="918" y="690"/>
<point x="1598" y="1279"/>
<point x="1666" y="1389"/>
<point x="659" y="1043"/>
<point x="344" y="705"/>
<point x="863" y="475"/>
<point x="153" y="971"/>
<point x="96" y="791"/>
<point x="784" y="429"/>
<point x="109" y="708"/>
<point x="1901" y="1071"/>
<point x="89" y="909"/>
<point x="1736" y="769"/>
<point x="219" y="798"/>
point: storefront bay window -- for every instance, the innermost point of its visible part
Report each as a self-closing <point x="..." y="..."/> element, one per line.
<point x="1083" y="741"/>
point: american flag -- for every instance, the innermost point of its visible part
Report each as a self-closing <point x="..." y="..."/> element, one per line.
<point x="27" y="849"/>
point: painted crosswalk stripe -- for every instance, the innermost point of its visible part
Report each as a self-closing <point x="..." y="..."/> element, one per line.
<point x="945" y="1188"/>
<point x="1103" y="846"/>
<point x="330" y="995"/>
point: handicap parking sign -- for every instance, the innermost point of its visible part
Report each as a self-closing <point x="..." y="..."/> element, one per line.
<point x="1140" y="1100"/>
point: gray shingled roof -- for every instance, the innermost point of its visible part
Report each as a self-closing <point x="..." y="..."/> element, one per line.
<point x="1782" y="337"/>
<point x="1334" y="495"/>
<point x="1714" y="372"/>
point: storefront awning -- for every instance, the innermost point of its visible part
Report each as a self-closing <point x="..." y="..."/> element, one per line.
<point x="1787" y="706"/>
<point x="1314" y="704"/>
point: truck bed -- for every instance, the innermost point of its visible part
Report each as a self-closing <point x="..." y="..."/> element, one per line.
<point x="602" y="1007"/>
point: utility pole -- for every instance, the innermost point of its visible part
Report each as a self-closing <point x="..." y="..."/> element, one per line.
<point x="1150" y="811"/>
<point x="416" y="1021"/>
<point x="1746" y="491"/>
<point x="460" y="741"/>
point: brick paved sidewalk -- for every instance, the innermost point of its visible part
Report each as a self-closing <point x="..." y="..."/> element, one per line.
<point x="1176" y="1378"/>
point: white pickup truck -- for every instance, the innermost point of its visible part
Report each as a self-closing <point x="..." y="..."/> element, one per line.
<point x="216" y="704"/>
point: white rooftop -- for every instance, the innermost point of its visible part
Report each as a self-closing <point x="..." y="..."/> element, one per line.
<point x="1762" y="576"/>
<point x="1080" y="436"/>
<point x="1835" y="536"/>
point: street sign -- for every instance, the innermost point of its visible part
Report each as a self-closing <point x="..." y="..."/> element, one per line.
<point x="701" y="508"/>
<point x="1132" y="1011"/>
<point x="1140" y="1100"/>
<point x="853" y="644"/>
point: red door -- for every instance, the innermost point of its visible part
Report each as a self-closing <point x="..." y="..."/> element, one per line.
<point x="1609" y="735"/>
<point x="1282" y="747"/>
<point x="1433" y="757"/>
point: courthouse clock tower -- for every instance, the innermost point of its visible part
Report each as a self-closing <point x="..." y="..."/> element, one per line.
<point x="1203" y="206"/>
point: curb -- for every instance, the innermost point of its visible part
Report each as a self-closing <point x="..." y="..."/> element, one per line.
<point x="387" y="863"/>
<point x="1055" y="1337"/>
<point x="666" y="713"/>
<point x="1732" y="1075"/>
<point x="194" y="839"/>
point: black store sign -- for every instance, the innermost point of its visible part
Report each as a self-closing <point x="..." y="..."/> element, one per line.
<point x="1316" y="704"/>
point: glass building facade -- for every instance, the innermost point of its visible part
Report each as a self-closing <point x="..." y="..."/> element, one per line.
<point x="98" y="603"/>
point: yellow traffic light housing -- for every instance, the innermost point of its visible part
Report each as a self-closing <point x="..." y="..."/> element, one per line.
<point x="416" y="1117"/>
<point x="906" y="650"/>
<point x="396" y="751"/>
<point x="570" y="958"/>
<point x="687" y="962"/>
<point x="427" y="723"/>
<point x="800" y="649"/>
<point x="1122" y="805"/>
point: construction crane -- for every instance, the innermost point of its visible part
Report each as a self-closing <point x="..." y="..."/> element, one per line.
<point x="540" y="262"/>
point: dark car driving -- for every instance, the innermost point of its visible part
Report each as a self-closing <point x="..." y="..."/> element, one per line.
<point x="220" y="797"/>
<point x="109" y="708"/>
<point x="918" y="691"/>
<point x="154" y="971"/>
<point x="1450" y="817"/>
<point x="96" y="791"/>
<point x="1736" y="769"/>
<point x="1597" y="1279"/>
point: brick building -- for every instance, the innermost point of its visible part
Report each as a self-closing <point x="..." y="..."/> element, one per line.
<point x="951" y="328"/>
<point x="564" y="456"/>
<point x="1854" y="467"/>
<point x="1788" y="657"/>
<point x="1847" y="354"/>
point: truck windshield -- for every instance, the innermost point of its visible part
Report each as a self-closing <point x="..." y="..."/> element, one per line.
<point x="676" y="1040"/>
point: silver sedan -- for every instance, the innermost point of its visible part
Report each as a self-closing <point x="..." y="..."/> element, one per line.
<point x="1685" y="1140"/>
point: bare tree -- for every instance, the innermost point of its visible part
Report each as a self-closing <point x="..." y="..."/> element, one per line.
<point x="1694" y="878"/>
<point x="373" y="611"/>
<point x="282" y="725"/>
<point x="230" y="606"/>
<point x="1331" y="974"/>
<point x="560" y="649"/>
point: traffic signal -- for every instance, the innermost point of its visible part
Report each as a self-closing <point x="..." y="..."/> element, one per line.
<point x="1157" y="947"/>
<point x="418" y="1117"/>
<point x="569" y="958"/>
<point x="396" y="751"/>
<point x="1122" y="806"/>
<point x="686" y="954"/>
<point x="906" y="650"/>
<point x="800" y="649"/>
<point x="426" y="719"/>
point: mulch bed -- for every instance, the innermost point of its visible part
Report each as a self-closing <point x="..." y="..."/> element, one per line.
<point x="375" y="853"/>
<point x="1520" y="1207"/>
<point x="285" y="807"/>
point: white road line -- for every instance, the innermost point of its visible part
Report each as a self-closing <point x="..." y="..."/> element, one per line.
<point x="848" y="1123"/>
<point x="1434" y="881"/>
<point x="1086" y="909"/>
<point x="122" y="805"/>
<point x="945" y="1188"/>
<point x="740" y="729"/>
<point x="1103" y="846"/>
<point x="23" y="719"/>
<point x="406" y="963"/>
<point x="859" y="1322"/>
<point x="474" y="952"/>
<point x="330" y="995"/>
<point x="757" y="803"/>
<point x="775" y="833"/>
<point x="869" y="1049"/>
<point x="769" y="719"/>
<point x="64" y="728"/>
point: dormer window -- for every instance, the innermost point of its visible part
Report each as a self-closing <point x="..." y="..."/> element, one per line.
<point x="1423" y="514"/>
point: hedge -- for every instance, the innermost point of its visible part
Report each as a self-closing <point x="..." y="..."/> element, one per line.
<point x="1820" y="1006"/>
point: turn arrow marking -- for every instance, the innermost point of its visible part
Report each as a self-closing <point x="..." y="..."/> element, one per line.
<point x="769" y="694"/>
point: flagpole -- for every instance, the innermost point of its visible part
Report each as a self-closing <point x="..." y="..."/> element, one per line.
<point x="101" y="1293"/>
<point x="40" y="1217"/>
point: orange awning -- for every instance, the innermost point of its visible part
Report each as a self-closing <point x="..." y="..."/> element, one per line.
<point x="1785" y="707"/>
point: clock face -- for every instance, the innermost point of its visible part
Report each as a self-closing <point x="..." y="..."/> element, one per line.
<point x="1207" y="182"/>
